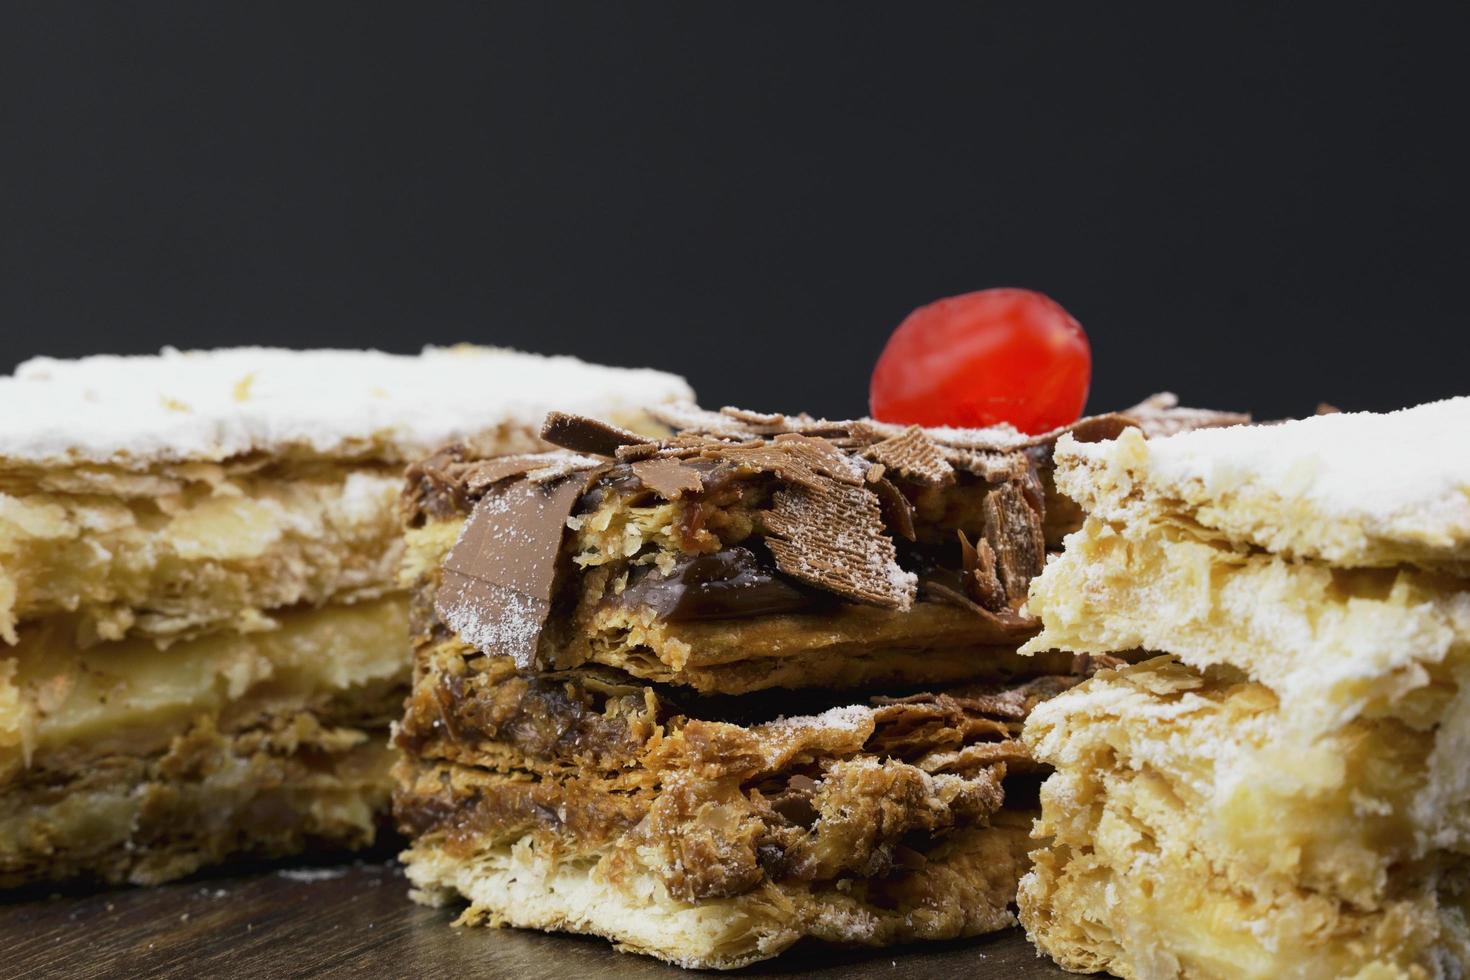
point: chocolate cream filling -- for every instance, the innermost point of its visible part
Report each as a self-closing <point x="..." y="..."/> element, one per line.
<point x="730" y="584"/>
<point x="774" y="515"/>
<point x="864" y="790"/>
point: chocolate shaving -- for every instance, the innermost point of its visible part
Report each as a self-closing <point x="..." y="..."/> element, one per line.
<point x="480" y="475"/>
<point x="913" y="456"/>
<point x="449" y="482"/>
<point x="668" y="478"/>
<point x="1006" y="620"/>
<point x="1095" y="428"/>
<point x="775" y="424"/>
<point x="999" y="438"/>
<point x="1013" y="531"/>
<point x="561" y="465"/>
<point x="939" y="592"/>
<point x="753" y="418"/>
<point x="992" y="467"/>
<point x="898" y="513"/>
<point x="830" y="535"/>
<point x="1157" y="415"/>
<point x="681" y="446"/>
<point x="1032" y="488"/>
<point x="645" y="450"/>
<point x="982" y="584"/>
<point x="1160" y="415"/>
<point x="803" y="460"/>
<point x="587" y="435"/>
<point x="969" y="557"/>
<point x="826" y="525"/>
<point x="498" y="577"/>
<point x="488" y="472"/>
<point x="689" y="419"/>
<point x="842" y="490"/>
<point x="433" y="488"/>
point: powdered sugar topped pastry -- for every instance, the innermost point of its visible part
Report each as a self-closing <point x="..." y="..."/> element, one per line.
<point x="213" y="405"/>
<point x="200" y="615"/>
<point x="1283" y="793"/>
<point x="1357" y="489"/>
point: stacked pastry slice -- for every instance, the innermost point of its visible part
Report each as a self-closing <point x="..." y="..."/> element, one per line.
<point x="1285" y="794"/>
<point x="710" y="694"/>
<point x="201" y="632"/>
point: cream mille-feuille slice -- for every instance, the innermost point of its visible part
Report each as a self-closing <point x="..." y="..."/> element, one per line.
<point x="202" y="638"/>
<point x="1285" y="793"/>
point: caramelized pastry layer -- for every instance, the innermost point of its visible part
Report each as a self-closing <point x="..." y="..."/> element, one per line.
<point x="964" y="888"/>
<point x="698" y="832"/>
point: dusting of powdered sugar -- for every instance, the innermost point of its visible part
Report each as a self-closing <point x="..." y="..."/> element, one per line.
<point x="561" y="465"/>
<point x="183" y="405"/>
<point x="498" y="578"/>
<point x="994" y="438"/>
<point x="511" y="627"/>
<point x="1359" y="464"/>
<point x="904" y="583"/>
<point x="310" y="875"/>
<point x="851" y="718"/>
<point x="488" y="616"/>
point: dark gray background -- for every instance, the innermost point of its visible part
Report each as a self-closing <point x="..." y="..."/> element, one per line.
<point x="1258" y="205"/>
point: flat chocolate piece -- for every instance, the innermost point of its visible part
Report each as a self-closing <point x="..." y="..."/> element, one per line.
<point x="587" y="435"/>
<point x="913" y="456"/>
<point x="496" y="590"/>
<point x="668" y="478"/>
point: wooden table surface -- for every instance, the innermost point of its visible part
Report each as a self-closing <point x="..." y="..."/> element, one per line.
<point x="355" y="920"/>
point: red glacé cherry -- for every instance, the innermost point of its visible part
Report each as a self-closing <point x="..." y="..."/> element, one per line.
<point x="999" y="355"/>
